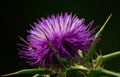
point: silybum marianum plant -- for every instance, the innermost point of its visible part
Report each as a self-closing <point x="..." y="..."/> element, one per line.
<point x="63" y="45"/>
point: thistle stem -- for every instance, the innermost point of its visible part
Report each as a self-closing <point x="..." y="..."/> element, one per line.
<point x="30" y="71"/>
<point x="103" y="72"/>
<point x="109" y="73"/>
<point x="110" y="56"/>
<point x="107" y="57"/>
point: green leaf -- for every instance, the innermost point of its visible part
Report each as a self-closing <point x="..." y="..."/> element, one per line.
<point x="79" y="67"/>
<point x="102" y="72"/>
<point x="107" y="57"/>
<point x="31" y="71"/>
<point x="76" y="71"/>
<point x="90" y="53"/>
<point x="93" y="45"/>
<point x="93" y="73"/>
<point x="75" y="74"/>
<point x="63" y="61"/>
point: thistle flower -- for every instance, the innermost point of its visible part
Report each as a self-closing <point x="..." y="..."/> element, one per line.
<point x="55" y="39"/>
<point x="66" y="33"/>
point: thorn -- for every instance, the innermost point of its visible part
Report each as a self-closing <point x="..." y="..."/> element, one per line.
<point x="100" y="52"/>
<point x="45" y="35"/>
<point x="26" y="42"/>
<point x="14" y="73"/>
<point x="103" y="26"/>
<point x="102" y="66"/>
<point x="96" y="54"/>
<point x="92" y="60"/>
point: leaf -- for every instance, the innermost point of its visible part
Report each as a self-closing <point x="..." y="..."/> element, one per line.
<point x="107" y="57"/>
<point x="76" y="71"/>
<point x="31" y="71"/>
<point x="92" y="73"/>
<point x="79" y="67"/>
<point x="75" y="74"/>
<point x="63" y="61"/>
<point x="90" y="53"/>
<point x="93" y="45"/>
<point x="102" y="72"/>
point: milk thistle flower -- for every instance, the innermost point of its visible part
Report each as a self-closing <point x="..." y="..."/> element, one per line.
<point x="66" y="33"/>
<point x="56" y="40"/>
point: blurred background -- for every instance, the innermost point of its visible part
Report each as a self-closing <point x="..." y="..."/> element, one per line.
<point x="16" y="16"/>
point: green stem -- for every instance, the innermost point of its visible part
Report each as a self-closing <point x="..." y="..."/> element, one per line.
<point x="31" y="71"/>
<point x="103" y="72"/>
<point x="110" y="56"/>
<point x="107" y="57"/>
<point x="108" y="73"/>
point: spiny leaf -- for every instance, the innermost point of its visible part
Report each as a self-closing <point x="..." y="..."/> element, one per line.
<point x="76" y="71"/>
<point x="93" y="73"/>
<point x="93" y="45"/>
<point x="107" y="57"/>
<point x="102" y="72"/>
<point x="79" y="67"/>
<point x="31" y="71"/>
<point x="76" y="74"/>
<point x="90" y="53"/>
<point x="76" y="68"/>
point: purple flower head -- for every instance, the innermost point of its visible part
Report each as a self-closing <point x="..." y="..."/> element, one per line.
<point x="66" y="33"/>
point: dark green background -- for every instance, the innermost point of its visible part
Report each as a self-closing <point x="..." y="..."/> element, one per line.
<point x="17" y="15"/>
